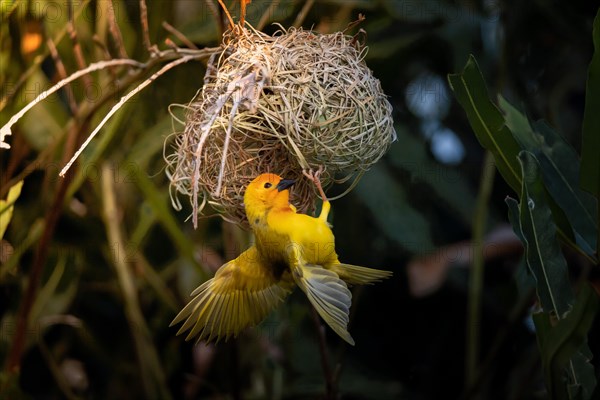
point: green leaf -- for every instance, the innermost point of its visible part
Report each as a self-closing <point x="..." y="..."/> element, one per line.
<point x="559" y="164"/>
<point x="590" y="162"/>
<point x="513" y="217"/>
<point x="490" y="128"/>
<point x="395" y="216"/>
<point x="487" y="121"/>
<point x="7" y="206"/>
<point x="542" y="249"/>
<point x="554" y="379"/>
<point x="564" y="346"/>
<point x="524" y="279"/>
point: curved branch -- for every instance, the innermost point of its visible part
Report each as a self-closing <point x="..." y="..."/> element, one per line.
<point x="6" y="131"/>
<point x="123" y="100"/>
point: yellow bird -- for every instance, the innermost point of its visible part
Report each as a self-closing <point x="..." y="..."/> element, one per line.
<point x="290" y="249"/>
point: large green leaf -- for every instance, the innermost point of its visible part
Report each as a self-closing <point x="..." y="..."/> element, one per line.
<point x="590" y="162"/>
<point x="564" y="350"/>
<point x="489" y="126"/>
<point x="487" y="121"/>
<point x="542" y="250"/>
<point x="559" y="164"/>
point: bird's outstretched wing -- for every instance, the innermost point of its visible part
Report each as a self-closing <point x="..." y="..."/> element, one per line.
<point x="329" y="295"/>
<point x="241" y="294"/>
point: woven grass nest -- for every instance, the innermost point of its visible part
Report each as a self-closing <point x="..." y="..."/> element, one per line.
<point x="283" y="103"/>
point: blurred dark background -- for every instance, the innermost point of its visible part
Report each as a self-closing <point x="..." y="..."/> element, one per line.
<point x="412" y="213"/>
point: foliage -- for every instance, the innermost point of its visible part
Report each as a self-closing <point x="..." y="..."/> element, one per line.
<point x="550" y="202"/>
<point x="112" y="263"/>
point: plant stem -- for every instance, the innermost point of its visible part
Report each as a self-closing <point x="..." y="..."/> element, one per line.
<point x="327" y="373"/>
<point x="476" y="277"/>
<point x="236" y="391"/>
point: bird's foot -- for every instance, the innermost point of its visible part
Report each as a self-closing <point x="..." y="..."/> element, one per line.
<point x="314" y="177"/>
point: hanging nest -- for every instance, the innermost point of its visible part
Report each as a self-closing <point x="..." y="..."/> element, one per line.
<point x="283" y="103"/>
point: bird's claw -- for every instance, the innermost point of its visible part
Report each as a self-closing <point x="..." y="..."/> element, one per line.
<point x="313" y="176"/>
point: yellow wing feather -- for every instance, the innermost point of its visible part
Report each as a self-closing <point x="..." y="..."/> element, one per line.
<point x="241" y="294"/>
<point x="329" y="295"/>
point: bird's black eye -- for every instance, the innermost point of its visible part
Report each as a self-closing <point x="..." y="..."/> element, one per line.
<point x="268" y="185"/>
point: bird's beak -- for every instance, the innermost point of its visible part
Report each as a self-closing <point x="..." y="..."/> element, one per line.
<point x="284" y="184"/>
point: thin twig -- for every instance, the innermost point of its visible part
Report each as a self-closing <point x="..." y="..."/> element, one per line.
<point x="62" y="73"/>
<point x="476" y="276"/>
<point x="361" y="18"/>
<point x="85" y="111"/>
<point x="98" y="42"/>
<point x="123" y="100"/>
<point x="231" y="24"/>
<point x="171" y="29"/>
<point x="79" y="58"/>
<point x="145" y="29"/>
<point x="327" y="373"/>
<point x="107" y="56"/>
<point x="115" y="31"/>
<point x="6" y="129"/>
<point x="242" y="12"/>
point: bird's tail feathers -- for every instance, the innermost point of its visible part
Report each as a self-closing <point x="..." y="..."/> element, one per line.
<point x="357" y="275"/>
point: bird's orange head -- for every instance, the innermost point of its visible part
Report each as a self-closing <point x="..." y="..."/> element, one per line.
<point x="266" y="192"/>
